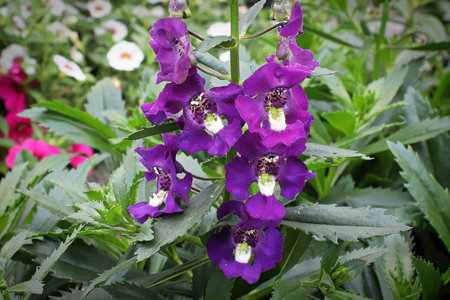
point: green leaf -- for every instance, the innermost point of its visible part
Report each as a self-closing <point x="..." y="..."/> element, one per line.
<point x="339" y="92"/>
<point x="431" y="198"/>
<point x="211" y="62"/>
<point x="344" y="223"/>
<point x="344" y="295"/>
<point x="429" y="278"/>
<point x="289" y="290"/>
<point x="368" y="255"/>
<point x="219" y="287"/>
<point x="168" y="228"/>
<point x="249" y="16"/>
<point x="385" y="89"/>
<point x="11" y="247"/>
<point x="325" y="151"/>
<point x="145" y="232"/>
<point x="411" y="134"/>
<point x="341" y="120"/>
<point x="212" y="42"/>
<point x="32" y="286"/>
<point x="56" y="206"/>
<point x="68" y="125"/>
<point x="76" y="295"/>
<point x="102" y="97"/>
<point x="441" y="46"/>
<point x="364" y="133"/>
<point x="124" y="290"/>
<point x="154" y="130"/>
<point x="328" y="36"/>
<point x="124" y="265"/>
<point x="319" y="71"/>
<point x="295" y="245"/>
<point x="8" y="186"/>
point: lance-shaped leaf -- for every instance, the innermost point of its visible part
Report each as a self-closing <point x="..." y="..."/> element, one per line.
<point x="212" y="42"/>
<point x="11" y="247"/>
<point x="319" y="71"/>
<point x="249" y="16"/>
<point x="431" y="198"/>
<point x="154" y="130"/>
<point x="8" y="185"/>
<point x="342" y="223"/>
<point x="325" y="151"/>
<point x="211" y="62"/>
<point x="170" y="227"/>
<point x="430" y="279"/>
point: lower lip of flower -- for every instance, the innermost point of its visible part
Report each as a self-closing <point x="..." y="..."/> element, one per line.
<point x="266" y="184"/>
<point x="158" y="198"/>
<point x="213" y="123"/>
<point x="277" y="119"/>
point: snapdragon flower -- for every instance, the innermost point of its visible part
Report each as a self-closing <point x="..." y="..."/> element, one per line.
<point x="173" y="49"/>
<point x="278" y="110"/>
<point x="161" y="165"/>
<point x="210" y="121"/>
<point x="266" y="167"/>
<point x="246" y="249"/>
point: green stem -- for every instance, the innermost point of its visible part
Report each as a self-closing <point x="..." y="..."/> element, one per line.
<point x="234" y="52"/>
<point x="380" y="38"/>
<point x="193" y="239"/>
<point x="172" y="253"/>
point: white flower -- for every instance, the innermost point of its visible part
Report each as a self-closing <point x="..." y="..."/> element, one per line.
<point x="157" y="11"/>
<point x="59" y="29"/>
<point x="17" y="53"/>
<point x="118" y="30"/>
<point x="25" y="10"/>
<point x="125" y="56"/>
<point x="76" y="55"/>
<point x="69" y="68"/>
<point x="99" y="8"/>
<point x="219" y="28"/>
<point x="18" y="22"/>
<point x="142" y="12"/>
<point x="4" y="11"/>
<point x="57" y="7"/>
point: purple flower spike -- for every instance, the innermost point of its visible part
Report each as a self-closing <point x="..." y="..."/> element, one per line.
<point x="161" y="164"/>
<point x="278" y="113"/>
<point x="246" y="249"/>
<point x="266" y="166"/>
<point x="210" y="121"/>
<point x="290" y="31"/>
<point x="299" y="56"/>
<point x="173" y="49"/>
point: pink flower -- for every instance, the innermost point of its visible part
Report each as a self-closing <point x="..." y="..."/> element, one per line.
<point x="80" y="148"/>
<point x="37" y="148"/>
<point x="11" y="89"/>
<point x="19" y="127"/>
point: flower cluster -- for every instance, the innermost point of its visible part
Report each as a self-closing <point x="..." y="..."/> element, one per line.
<point x="271" y="104"/>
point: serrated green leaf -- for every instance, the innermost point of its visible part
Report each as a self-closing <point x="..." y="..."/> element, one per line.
<point x="154" y="130"/>
<point x="343" y="295"/>
<point x="289" y="290"/>
<point x="102" y="97"/>
<point x="411" y="134"/>
<point x="341" y="120"/>
<point x="11" y="247"/>
<point x="125" y="290"/>
<point x="124" y="265"/>
<point x="344" y="223"/>
<point x="339" y="92"/>
<point x="430" y="279"/>
<point x="97" y="294"/>
<point x="249" y="16"/>
<point x="368" y="255"/>
<point x="211" y="62"/>
<point x="56" y="206"/>
<point x="319" y="71"/>
<point x="168" y="228"/>
<point x="212" y="42"/>
<point x="431" y="198"/>
<point x="364" y="133"/>
<point x="145" y="233"/>
<point x="32" y="286"/>
<point x="325" y="151"/>
<point x="295" y="245"/>
<point x="219" y="287"/>
<point x="8" y="186"/>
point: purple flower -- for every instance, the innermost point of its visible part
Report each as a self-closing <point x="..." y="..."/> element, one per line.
<point x="210" y="121"/>
<point x="290" y="31"/>
<point x="246" y="249"/>
<point x="299" y="56"/>
<point x="266" y="166"/>
<point x="161" y="164"/>
<point x="173" y="49"/>
<point x="278" y="110"/>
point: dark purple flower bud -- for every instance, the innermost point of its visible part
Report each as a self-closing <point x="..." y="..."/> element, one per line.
<point x="246" y="249"/>
<point x="161" y="165"/>
<point x="278" y="110"/>
<point x="210" y="121"/>
<point x="179" y="9"/>
<point x="266" y="166"/>
<point x="173" y="49"/>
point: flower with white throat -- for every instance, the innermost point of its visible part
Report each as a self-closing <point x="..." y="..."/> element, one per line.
<point x="99" y="8"/>
<point x="57" y="7"/>
<point x="69" y="68"/>
<point x="117" y="29"/>
<point x="125" y="56"/>
<point x="16" y="53"/>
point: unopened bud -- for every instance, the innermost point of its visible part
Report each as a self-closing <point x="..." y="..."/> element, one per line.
<point x="179" y="9"/>
<point x="281" y="10"/>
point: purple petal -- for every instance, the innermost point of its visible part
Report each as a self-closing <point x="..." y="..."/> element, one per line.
<point x="238" y="177"/>
<point x="268" y="210"/>
<point x="142" y="211"/>
<point x="194" y="138"/>
<point x="225" y="138"/>
<point x="181" y="187"/>
<point x="248" y="272"/>
<point x="220" y="246"/>
<point x="292" y="176"/>
<point x="232" y="206"/>
<point x="251" y="111"/>
<point x="269" y="249"/>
